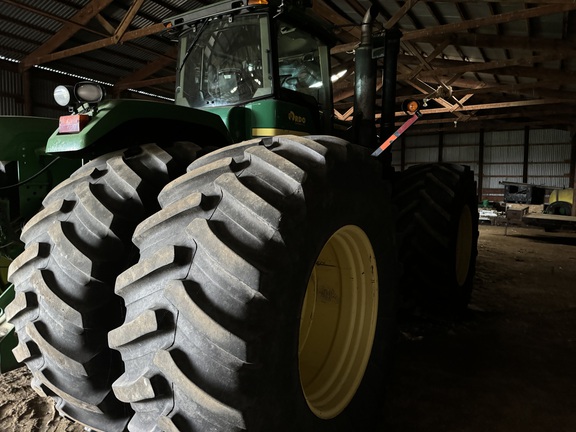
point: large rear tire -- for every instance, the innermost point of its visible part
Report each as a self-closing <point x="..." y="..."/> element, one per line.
<point x="264" y="296"/>
<point x="75" y="247"/>
<point x="438" y="236"/>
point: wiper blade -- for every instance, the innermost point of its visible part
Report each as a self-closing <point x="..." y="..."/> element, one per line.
<point x="192" y="45"/>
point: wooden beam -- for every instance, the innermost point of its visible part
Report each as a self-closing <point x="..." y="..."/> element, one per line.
<point x="105" y="24"/>
<point x="408" y="4"/>
<point x="348" y="31"/>
<point x="514" y="89"/>
<point x="425" y="89"/>
<point x="82" y="17"/>
<point x="102" y="43"/>
<point x="127" y="20"/>
<point x="151" y="68"/>
<point x="489" y="66"/>
<point x="147" y="83"/>
<point x="552" y="113"/>
<point x="481" y="40"/>
<point x="425" y="62"/>
<point x="498" y="105"/>
<point x="347" y="47"/>
<point x="538" y="73"/>
<point x="491" y="20"/>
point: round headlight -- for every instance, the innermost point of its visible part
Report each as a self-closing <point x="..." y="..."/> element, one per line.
<point x="89" y="92"/>
<point x="63" y="95"/>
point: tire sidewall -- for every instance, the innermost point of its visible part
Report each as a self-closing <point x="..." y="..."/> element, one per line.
<point x="328" y="212"/>
<point x="460" y="293"/>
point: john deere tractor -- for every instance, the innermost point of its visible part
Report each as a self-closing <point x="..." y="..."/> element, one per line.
<point x="233" y="261"/>
<point x="27" y="173"/>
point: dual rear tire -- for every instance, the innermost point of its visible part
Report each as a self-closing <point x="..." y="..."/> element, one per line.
<point x="264" y="296"/>
<point x="64" y="280"/>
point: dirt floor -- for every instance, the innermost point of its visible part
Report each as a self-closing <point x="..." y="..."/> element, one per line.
<point x="509" y="366"/>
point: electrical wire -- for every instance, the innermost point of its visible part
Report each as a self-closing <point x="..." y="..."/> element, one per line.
<point x="31" y="178"/>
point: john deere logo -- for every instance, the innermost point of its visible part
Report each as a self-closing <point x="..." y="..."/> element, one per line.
<point x="296" y="118"/>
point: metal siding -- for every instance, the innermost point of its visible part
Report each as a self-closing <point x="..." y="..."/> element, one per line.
<point x="461" y="139"/>
<point x="503" y="154"/>
<point x="43" y="104"/>
<point x="549" y="157"/>
<point x="549" y="153"/>
<point x="421" y="155"/>
<point x="503" y="171"/>
<point x="422" y="141"/>
<point x="465" y="155"/>
<point x="544" y="136"/>
<point x="503" y="161"/>
<point x="11" y="102"/>
<point x="504" y="138"/>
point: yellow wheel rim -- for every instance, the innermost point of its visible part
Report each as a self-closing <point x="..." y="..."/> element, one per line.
<point x="338" y="322"/>
<point x="464" y="245"/>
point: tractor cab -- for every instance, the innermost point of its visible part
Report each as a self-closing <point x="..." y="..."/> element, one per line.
<point x="261" y="57"/>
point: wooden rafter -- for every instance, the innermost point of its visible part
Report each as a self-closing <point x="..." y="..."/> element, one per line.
<point x="489" y="66"/>
<point x="138" y="77"/>
<point x="127" y="20"/>
<point x="102" y="43"/>
<point x="492" y="20"/>
<point x="81" y="18"/>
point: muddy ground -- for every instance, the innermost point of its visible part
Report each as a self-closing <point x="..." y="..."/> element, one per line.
<point x="509" y="366"/>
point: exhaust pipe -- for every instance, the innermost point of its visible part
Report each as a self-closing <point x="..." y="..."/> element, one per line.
<point x="365" y="85"/>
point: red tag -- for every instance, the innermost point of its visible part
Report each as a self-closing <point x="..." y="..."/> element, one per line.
<point x="73" y="123"/>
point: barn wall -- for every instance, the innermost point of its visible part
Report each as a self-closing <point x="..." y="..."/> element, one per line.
<point x="540" y="156"/>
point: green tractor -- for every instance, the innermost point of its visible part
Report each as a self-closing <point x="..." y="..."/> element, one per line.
<point x="27" y="173"/>
<point x="232" y="262"/>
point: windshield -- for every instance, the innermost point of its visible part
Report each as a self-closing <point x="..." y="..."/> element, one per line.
<point x="225" y="63"/>
<point x="299" y="61"/>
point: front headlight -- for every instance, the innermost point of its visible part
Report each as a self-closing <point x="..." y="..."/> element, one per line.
<point x="63" y="95"/>
<point x="83" y="92"/>
<point x="89" y="92"/>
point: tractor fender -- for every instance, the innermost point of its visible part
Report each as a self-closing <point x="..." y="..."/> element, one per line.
<point x="22" y="136"/>
<point x="119" y="124"/>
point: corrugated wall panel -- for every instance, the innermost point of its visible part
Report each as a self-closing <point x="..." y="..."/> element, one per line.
<point x="503" y="155"/>
<point x="503" y="161"/>
<point x="461" y="139"/>
<point x="464" y="155"/>
<point x="549" y="165"/>
<point x="420" y="155"/>
<point x="11" y="102"/>
<point x="43" y="98"/>
<point x="422" y="141"/>
<point x="419" y="149"/>
<point x="544" y="136"/>
<point x="549" y="158"/>
<point x="504" y="138"/>
<point x="549" y="153"/>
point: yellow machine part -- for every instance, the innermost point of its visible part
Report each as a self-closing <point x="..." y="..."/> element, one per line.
<point x="566" y="195"/>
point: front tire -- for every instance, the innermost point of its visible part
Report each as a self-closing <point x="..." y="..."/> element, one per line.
<point x="264" y="297"/>
<point x="437" y="228"/>
<point x="65" y="303"/>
